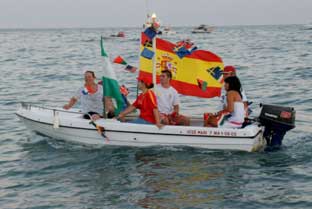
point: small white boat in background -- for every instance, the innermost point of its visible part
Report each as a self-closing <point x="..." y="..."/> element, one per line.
<point x="70" y="126"/>
<point x="168" y="31"/>
<point x="307" y="26"/>
<point x="203" y="29"/>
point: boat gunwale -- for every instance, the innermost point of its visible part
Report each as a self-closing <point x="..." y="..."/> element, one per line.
<point x="25" y="105"/>
<point x="150" y="133"/>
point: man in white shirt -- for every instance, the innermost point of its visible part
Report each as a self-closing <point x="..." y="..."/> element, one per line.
<point x="168" y="102"/>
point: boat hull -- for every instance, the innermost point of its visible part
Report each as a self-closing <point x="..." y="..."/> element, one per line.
<point x="72" y="127"/>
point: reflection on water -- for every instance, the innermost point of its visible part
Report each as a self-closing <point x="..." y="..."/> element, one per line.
<point x="171" y="184"/>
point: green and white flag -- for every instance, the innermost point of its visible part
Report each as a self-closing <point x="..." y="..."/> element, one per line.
<point x="110" y="84"/>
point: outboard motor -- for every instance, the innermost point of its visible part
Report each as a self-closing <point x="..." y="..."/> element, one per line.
<point x="277" y="120"/>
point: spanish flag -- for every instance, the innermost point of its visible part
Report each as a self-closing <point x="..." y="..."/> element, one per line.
<point x="187" y="71"/>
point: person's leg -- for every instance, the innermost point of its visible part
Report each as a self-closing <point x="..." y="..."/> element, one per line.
<point x="164" y="119"/>
<point x="210" y="120"/>
<point x="182" y="120"/>
<point x="228" y="124"/>
<point x="89" y="115"/>
<point x="110" y="114"/>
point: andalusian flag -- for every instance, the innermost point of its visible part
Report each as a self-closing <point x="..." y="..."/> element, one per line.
<point x="197" y="73"/>
<point x="110" y="84"/>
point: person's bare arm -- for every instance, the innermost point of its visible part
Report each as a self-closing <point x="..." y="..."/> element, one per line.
<point x="176" y="109"/>
<point x="230" y="101"/>
<point x="245" y="105"/>
<point x="109" y="105"/>
<point x="125" y="112"/>
<point x="157" y="118"/>
<point x="70" y="104"/>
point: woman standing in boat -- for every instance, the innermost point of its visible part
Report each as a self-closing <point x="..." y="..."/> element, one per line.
<point x="146" y="103"/>
<point x="91" y="98"/>
<point x="232" y="116"/>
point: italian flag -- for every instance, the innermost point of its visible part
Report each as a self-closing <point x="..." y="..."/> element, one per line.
<point x="110" y="84"/>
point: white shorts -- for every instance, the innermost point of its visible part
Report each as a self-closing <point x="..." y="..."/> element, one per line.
<point x="228" y="124"/>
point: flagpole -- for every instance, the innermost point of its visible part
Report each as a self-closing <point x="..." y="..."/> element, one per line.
<point x="154" y="63"/>
<point x="103" y="98"/>
<point x="154" y="44"/>
<point x="104" y="107"/>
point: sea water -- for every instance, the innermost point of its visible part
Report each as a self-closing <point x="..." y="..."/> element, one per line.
<point x="45" y="67"/>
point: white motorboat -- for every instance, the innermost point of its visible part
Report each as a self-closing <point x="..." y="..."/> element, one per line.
<point x="267" y="131"/>
<point x="307" y="26"/>
<point x="203" y="29"/>
<point x="71" y="126"/>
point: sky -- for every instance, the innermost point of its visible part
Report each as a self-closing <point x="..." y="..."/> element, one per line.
<point x="132" y="13"/>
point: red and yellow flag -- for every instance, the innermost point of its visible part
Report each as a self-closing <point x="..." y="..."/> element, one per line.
<point x="186" y="71"/>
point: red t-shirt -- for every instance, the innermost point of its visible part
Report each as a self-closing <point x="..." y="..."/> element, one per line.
<point x="146" y="102"/>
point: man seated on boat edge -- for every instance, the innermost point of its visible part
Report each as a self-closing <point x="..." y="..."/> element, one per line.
<point x="168" y="102"/>
<point x="146" y="103"/>
<point x="91" y="98"/>
<point x="232" y="116"/>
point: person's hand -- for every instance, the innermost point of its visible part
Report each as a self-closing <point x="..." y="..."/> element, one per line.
<point x="95" y="117"/>
<point x="121" y="117"/>
<point x="66" y="107"/>
<point x="159" y="125"/>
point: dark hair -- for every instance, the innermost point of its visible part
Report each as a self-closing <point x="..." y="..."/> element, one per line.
<point x="234" y="84"/>
<point x="168" y="73"/>
<point x="92" y="73"/>
<point x="149" y="86"/>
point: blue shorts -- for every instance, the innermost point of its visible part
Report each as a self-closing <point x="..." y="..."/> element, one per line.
<point x="140" y="121"/>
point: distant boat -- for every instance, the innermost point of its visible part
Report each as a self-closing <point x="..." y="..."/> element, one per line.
<point x="307" y="26"/>
<point x="120" y="34"/>
<point x="168" y="31"/>
<point x="203" y="29"/>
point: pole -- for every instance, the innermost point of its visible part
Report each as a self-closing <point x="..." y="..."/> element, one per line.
<point x="154" y="63"/>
